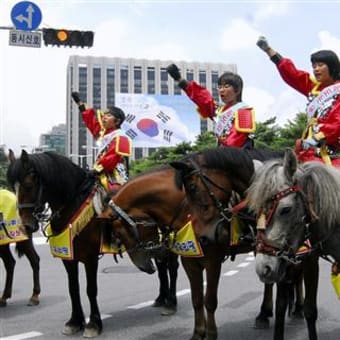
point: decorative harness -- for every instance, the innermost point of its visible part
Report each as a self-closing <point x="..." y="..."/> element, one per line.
<point x="286" y="252"/>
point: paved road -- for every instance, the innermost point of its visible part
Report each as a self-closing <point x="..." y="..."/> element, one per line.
<point x="125" y="296"/>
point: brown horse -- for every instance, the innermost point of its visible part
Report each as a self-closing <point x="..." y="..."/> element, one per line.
<point x="23" y="247"/>
<point x="143" y="214"/>
<point x="50" y="178"/>
<point x="214" y="184"/>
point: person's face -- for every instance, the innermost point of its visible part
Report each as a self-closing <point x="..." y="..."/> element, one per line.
<point x="110" y="121"/>
<point x="228" y="94"/>
<point x="321" y="73"/>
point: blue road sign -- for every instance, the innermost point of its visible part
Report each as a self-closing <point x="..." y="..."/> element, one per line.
<point x="26" y="16"/>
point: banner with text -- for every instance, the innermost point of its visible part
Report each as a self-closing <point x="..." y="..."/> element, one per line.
<point x="158" y="120"/>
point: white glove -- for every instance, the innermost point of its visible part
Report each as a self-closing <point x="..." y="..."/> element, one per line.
<point x="310" y="143"/>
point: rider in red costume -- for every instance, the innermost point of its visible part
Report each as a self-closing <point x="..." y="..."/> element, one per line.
<point x="320" y="140"/>
<point x="114" y="145"/>
<point x="235" y="120"/>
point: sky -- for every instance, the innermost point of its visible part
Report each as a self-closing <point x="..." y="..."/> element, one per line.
<point x="33" y="80"/>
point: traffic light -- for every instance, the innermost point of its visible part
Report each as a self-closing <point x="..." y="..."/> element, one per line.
<point x="63" y="37"/>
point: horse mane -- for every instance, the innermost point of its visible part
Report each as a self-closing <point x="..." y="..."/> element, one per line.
<point x="321" y="184"/>
<point x="59" y="176"/>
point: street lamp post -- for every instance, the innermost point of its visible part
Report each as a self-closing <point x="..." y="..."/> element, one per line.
<point x="80" y="159"/>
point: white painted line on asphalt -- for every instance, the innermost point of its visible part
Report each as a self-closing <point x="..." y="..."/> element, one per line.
<point x="230" y="273"/>
<point x="149" y="303"/>
<point x="250" y="258"/>
<point x="243" y="264"/>
<point x="22" y="336"/>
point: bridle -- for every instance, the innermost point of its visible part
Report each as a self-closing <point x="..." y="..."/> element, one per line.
<point x="133" y="224"/>
<point x="264" y="246"/>
<point x="224" y="209"/>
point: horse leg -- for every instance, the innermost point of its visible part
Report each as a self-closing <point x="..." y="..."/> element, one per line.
<point x="213" y="270"/>
<point x="95" y="326"/>
<point x="266" y="311"/>
<point x="27" y="248"/>
<point x="162" y="265"/>
<point x="311" y="280"/>
<point x="297" y="312"/>
<point x="9" y="263"/>
<point x="194" y="271"/>
<point x="172" y="270"/>
<point x="77" y="321"/>
<point x="282" y="297"/>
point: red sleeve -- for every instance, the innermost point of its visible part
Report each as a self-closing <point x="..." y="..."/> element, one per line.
<point x="331" y="124"/>
<point x="91" y="122"/>
<point x="202" y="98"/>
<point x="297" y="79"/>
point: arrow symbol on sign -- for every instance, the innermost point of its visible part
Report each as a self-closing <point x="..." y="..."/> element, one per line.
<point x="28" y="19"/>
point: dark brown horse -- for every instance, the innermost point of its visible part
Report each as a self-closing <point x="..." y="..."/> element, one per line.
<point x="216" y="191"/>
<point x="23" y="247"/>
<point x="144" y="213"/>
<point x="50" y="178"/>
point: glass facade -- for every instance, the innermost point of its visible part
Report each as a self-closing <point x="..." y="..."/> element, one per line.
<point x="137" y="77"/>
<point x="151" y="81"/>
<point x="96" y="87"/>
<point x="110" y="86"/>
<point x="124" y="78"/>
<point x="164" y="81"/>
<point x="83" y="95"/>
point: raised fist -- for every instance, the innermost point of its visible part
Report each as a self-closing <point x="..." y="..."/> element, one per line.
<point x="75" y="97"/>
<point x="173" y="70"/>
<point x="263" y="43"/>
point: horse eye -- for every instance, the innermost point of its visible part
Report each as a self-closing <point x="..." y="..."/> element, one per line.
<point x="285" y="210"/>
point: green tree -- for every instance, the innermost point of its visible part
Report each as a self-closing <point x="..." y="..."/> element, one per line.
<point x="266" y="134"/>
<point x="3" y="168"/>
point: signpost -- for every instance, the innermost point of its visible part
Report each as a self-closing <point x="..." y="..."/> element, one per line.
<point x="24" y="38"/>
<point x="26" y="16"/>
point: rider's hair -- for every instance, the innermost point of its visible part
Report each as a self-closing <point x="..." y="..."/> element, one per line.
<point x="330" y="59"/>
<point x="234" y="80"/>
<point x="116" y="112"/>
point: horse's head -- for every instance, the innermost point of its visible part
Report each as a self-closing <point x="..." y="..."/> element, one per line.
<point x="281" y="206"/>
<point x="137" y="232"/>
<point x="23" y="178"/>
<point x="212" y="180"/>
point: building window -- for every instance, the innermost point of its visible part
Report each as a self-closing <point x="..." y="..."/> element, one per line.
<point x="96" y="89"/>
<point x="151" y="80"/>
<point x="138" y="153"/>
<point x="214" y="83"/>
<point x="190" y="75"/>
<point x="137" y="77"/>
<point x="124" y="79"/>
<point x="110" y="89"/>
<point x="83" y="94"/>
<point x="164" y="81"/>
<point x="202" y="78"/>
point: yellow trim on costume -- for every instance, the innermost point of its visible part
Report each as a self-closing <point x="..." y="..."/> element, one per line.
<point x="100" y="121"/>
<point x="324" y="155"/>
<point x="315" y="90"/>
<point x="117" y="146"/>
<point x="319" y="136"/>
<point x="247" y="130"/>
<point x="98" y="167"/>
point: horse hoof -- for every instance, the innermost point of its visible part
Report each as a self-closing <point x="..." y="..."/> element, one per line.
<point x="167" y="311"/>
<point x="3" y="302"/>
<point x="158" y="303"/>
<point x="33" y="301"/>
<point x="71" y="330"/>
<point x="261" y="323"/>
<point x="91" y="332"/>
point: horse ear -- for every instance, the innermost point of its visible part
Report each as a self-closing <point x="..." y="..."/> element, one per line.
<point x="289" y="163"/>
<point x="11" y="156"/>
<point x="24" y="158"/>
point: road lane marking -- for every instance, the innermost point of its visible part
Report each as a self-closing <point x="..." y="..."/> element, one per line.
<point x="243" y="264"/>
<point x="22" y="336"/>
<point x="103" y="316"/>
<point x="230" y="273"/>
<point x="149" y="303"/>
